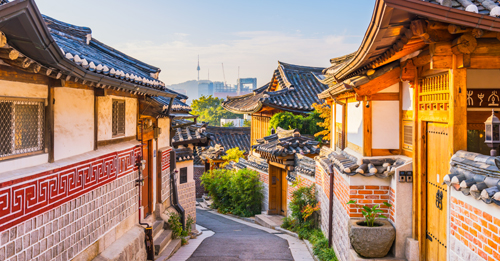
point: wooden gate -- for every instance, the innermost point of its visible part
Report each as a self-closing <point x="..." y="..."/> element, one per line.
<point x="438" y="158"/>
<point x="277" y="191"/>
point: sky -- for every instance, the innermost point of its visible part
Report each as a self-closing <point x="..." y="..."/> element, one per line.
<point x="250" y="35"/>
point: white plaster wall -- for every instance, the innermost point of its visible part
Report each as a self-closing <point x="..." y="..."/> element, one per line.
<point x="338" y="113"/>
<point x="407" y="97"/>
<point x="392" y="88"/>
<point x="73" y="122"/>
<point x="24" y="90"/>
<point x="20" y="89"/>
<point x="105" y="117"/>
<point x="385" y="124"/>
<point x="483" y="78"/>
<point x="190" y="170"/>
<point x="164" y="138"/>
<point x="355" y="124"/>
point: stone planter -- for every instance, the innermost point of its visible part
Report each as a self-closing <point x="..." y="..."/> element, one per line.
<point x="371" y="241"/>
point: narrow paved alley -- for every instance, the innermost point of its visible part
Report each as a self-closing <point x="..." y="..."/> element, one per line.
<point x="236" y="241"/>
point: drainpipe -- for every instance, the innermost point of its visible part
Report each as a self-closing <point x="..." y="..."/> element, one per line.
<point x="330" y="209"/>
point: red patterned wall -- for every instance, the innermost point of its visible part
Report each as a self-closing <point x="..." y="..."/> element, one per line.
<point x="24" y="198"/>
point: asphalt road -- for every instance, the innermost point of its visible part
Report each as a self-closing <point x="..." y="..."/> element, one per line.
<point x="235" y="241"/>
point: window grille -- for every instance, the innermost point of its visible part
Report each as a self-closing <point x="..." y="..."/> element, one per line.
<point x="22" y="127"/>
<point x="118" y="117"/>
<point x="183" y="175"/>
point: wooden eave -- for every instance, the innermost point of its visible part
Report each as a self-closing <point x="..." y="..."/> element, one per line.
<point x="27" y="33"/>
<point x="389" y="27"/>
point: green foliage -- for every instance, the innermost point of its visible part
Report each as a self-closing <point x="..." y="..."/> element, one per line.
<point x="210" y="110"/>
<point x="228" y="124"/>
<point x="233" y="154"/>
<point x="174" y="222"/>
<point x="370" y="214"/>
<point x="302" y="222"/>
<point x="247" y="123"/>
<point x="237" y="192"/>
<point x="307" y="125"/>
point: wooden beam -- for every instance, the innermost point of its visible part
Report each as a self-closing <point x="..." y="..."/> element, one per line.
<point x="380" y="83"/>
<point x="9" y="73"/>
<point x="96" y="118"/>
<point x="384" y="96"/>
<point x="367" y="129"/>
<point x="102" y="143"/>
<point x="458" y="110"/>
<point x="3" y="39"/>
<point x="10" y="54"/>
<point x="384" y="152"/>
<point x="49" y="116"/>
<point x="422" y="59"/>
<point x="441" y="62"/>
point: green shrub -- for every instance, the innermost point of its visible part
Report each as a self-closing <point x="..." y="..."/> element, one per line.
<point x="237" y="192"/>
<point x="174" y="222"/>
<point x="307" y="124"/>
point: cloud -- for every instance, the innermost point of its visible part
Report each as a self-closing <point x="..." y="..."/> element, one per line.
<point x="255" y="52"/>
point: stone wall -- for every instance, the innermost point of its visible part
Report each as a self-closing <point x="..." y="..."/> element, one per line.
<point x="187" y="198"/>
<point x="341" y="213"/>
<point x="75" y="210"/>
<point x="322" y="193"/>
<point x="264" y="178"/>
<point x="198" y="172"/>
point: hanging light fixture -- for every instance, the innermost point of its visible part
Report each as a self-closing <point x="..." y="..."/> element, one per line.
<point x="492" y="133"/>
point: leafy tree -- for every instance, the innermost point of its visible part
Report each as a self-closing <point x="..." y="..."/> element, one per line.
<point x="209" y="109"/>
<point x="325" y="112"/>
<point x="228" y="124"/>
<point x="247" y="123"/>
<point x="233" y="154"/>
<point x="308" y="125"/>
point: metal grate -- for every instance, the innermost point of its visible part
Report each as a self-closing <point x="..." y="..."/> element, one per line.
<point x="21" y="126"/>
<point x="408" y="134"/>
<point x="183" y="175"/>
<point x="118" y="117"/>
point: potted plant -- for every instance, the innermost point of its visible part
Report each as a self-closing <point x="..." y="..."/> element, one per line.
<point x="373" y="236"/>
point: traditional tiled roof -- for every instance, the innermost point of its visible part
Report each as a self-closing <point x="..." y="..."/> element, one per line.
<point x="299" y="87"/>
<point x="78" y="46"/>
<point x="183" y="154"/>
<point x="190" y="134"/>
<point x="286" y="142"/>
<point x="486" y="7"/>
<point x="213" y="153"/>
<point x="475" y="175"/>
<point x="230" y="137"/>
<point x="177" y="106"/>
<point x="304" y="165"/>
<point x="254" y="162"/>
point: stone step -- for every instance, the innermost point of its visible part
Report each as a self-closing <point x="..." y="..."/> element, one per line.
<point x="269" y="221"/>
<point x="172" y="247"/>
<point x="157" y="227"/>
<point x="162" y="240"/>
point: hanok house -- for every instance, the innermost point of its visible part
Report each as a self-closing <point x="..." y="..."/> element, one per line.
<point x="281" y="158"/>
<point x="417" y="92"/>
<point x="71" y="157"/>
<point x="293" y="88"/>
<point x="221" y="140"/>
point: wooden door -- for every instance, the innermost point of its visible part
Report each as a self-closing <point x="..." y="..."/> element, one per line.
<point x="147" y="190"/>
<point x="274" y="190"/>
<point x="284" y="193"/>
<point x="438" y="158"/>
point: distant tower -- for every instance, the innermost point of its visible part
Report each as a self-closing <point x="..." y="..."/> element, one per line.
<point x="198" y="67"/>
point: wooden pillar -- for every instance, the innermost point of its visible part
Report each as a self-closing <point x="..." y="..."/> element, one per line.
<point x="458" y="108"/>
<point x="416" y="153"/>
<point x="401" y="133"/>
<point x="344" y="125"/>
<point x="49" y="116"/>
<point x="367" y="128"/>
<point x="334" y="126"/>
<point x="97" y="93"/>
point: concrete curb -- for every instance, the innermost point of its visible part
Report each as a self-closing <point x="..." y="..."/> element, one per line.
<point x="308" y="244"/>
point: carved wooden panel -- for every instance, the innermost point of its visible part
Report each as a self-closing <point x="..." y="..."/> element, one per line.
<point x="434" y="93"/>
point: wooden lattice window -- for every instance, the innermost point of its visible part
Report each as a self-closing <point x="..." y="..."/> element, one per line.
<point x="434" y="93"/>
<point x="118" y="117"/>
<point x="22" y="126"/>
<point x="183" y="175"/>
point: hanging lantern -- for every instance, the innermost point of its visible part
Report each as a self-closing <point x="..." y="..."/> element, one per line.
<point x="492" y="133"/>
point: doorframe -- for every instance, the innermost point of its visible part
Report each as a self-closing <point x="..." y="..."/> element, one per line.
<point x="150" y="174"/>
<point x="279" y="192"/>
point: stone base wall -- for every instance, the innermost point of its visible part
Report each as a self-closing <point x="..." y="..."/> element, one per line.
<point x="165" y="174"/>
<point x="341" y="216"/>
<point x="198" y="172"/>
<point x="187" y="198"/>
<point x="475" y="231"/>
<point x="61" y="213"/>
<point x="264" y="178"/>
<point x="324" y="201"/>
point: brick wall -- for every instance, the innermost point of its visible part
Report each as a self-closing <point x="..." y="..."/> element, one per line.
<point x="187" y="198"/>
<point x="198" y="172"/>
<point x="368" y="196"/>
<point x="67" y="209"/>
<point x="475" y="234"/>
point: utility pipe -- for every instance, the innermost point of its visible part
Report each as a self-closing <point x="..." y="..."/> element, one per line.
<point x="330" y="210"/>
